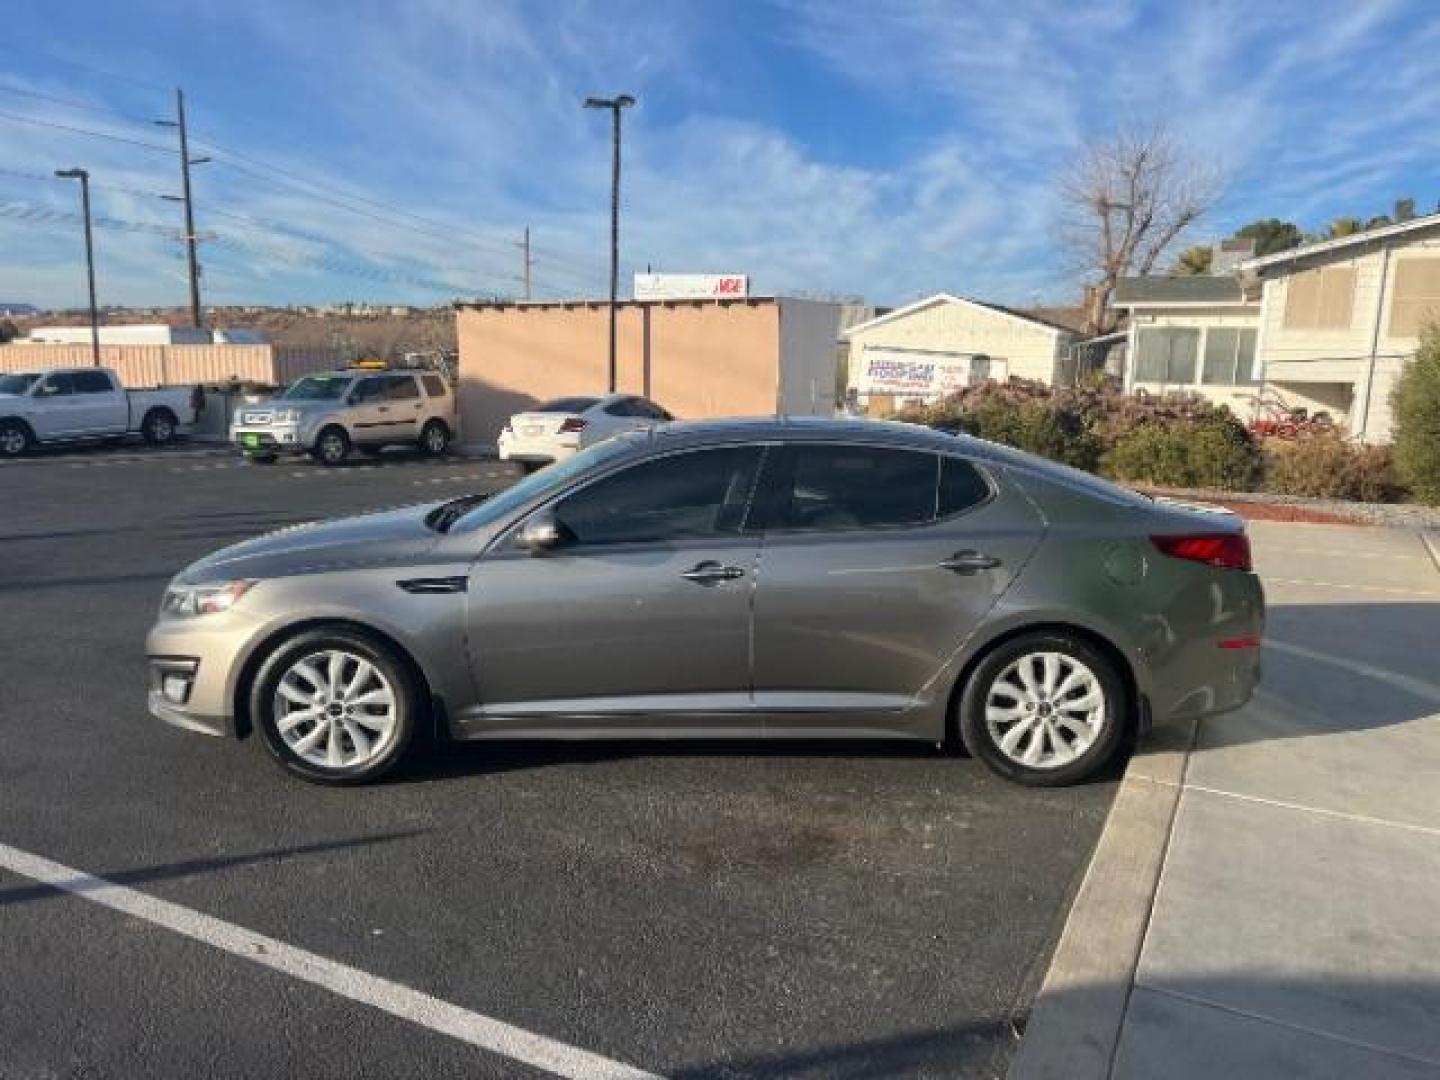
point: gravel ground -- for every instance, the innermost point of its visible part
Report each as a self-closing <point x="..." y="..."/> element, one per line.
<point x="1297" y="508"/>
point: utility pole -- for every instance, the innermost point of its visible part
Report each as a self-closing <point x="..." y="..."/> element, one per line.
<point x="529" y="261"/>
<point x="191" y="253"/>
<point x="84" y="178"/>
<point x="615" y="105"/>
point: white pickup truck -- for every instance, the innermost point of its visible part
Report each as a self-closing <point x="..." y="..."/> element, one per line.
<point x="64" y="404"/>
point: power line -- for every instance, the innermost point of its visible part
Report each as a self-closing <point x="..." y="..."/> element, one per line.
<point x="79" y="66"/>
<point x="17" y="119"/>
<point x="71" y="103"/>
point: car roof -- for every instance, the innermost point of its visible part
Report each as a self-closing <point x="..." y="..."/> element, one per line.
<point x="802" y="429"/>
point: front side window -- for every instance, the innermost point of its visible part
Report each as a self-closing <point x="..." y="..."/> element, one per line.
<point x="16" y="384"/>
<point x="1166" y="354"/>
<point x="687" y="496"/>
<point x="849" y="487"/>
<point x="57" y="385"/>
<point x="368" y="390"/>
<point x="318" y="388"/>
<point x="434" y="385"/>
<point x="1229" y="356"/>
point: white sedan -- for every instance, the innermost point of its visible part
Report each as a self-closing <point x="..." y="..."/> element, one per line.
<point x="557" y="429"/>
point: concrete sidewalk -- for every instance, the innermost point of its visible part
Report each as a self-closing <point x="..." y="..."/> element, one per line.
<point x="1266" y="899"/>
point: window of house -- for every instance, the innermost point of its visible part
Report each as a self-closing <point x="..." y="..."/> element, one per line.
<point x="1416" y="297"/>
<point x="1229" y="356"/>
<point x="1166" y="354"/>
<point x="1320" y="299"/>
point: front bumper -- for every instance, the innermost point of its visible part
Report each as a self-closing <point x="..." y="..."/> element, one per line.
<point x="193" y="666"/>
<point x="279" y="439"/>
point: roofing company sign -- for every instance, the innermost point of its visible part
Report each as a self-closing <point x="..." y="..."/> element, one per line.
<point x="887" y="371"/>
<point x="691" y="286"/>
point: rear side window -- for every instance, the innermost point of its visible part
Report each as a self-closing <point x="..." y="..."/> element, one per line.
<point x="623" y="407"/>
<point x="92" y="382"/>
<point x="849" y="487"/>
<point x="401" y="388"/>
<point x="567" y="404"/>
<point x="434" y="385"/>
<point x="961" y="486"/>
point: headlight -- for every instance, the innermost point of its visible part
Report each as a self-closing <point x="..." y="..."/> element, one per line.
<point x="204" y="599"/>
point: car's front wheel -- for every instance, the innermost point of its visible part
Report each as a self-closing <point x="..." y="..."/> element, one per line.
<point x="15" y="438"/>
<point x="335" y="706"/>
<point x="1044" y="709"/>
<point x="332" y="446"/>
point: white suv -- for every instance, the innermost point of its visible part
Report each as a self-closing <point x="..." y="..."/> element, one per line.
<point x="329" y="413"/>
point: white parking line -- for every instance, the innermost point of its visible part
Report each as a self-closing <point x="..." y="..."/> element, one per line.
<point x="1418" y="687"/>
<point x="398" y="1000"/>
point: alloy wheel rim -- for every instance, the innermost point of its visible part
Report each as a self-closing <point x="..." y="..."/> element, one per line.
<point x="160" y="429"/>
<point x="437" y="440"/>
<point x="1045" y="710"/>
<point x="12" y="441"/>
<point x="335" y="709"/>
<point x="331" y="448"/>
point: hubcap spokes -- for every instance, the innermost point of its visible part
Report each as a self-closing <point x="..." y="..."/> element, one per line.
<point x="335" y="709"/>
<point x="1045" y="710"/>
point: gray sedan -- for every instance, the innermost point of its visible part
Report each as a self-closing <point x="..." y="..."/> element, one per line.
<point x="751" y="579"/>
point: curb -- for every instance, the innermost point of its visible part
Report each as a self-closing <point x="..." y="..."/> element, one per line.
<point x="1074" y="1025"/>
<point x="1431" y="539"/>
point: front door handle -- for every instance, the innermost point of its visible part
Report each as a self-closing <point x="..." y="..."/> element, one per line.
<point x="710" y="571"/>
<point x="969" y="562"/>
<point x="382" y="408"/>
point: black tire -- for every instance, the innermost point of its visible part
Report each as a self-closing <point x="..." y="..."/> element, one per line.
<point x="16" y="438"/>
<point x="528" y="467"/>
<point x="435" y="438"/>
<point x="158" y="427"/>
<point x="997" y="664"/>
<point x="332" y="446"/>
<point x="395" y="669"/>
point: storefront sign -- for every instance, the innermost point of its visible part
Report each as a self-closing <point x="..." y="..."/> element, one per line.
<point x="691" y="286"/>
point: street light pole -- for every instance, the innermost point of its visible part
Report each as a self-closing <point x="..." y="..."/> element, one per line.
<point x="191" y="254"/>
<point x="84" y="178"/>
<point x="615" y="104"/>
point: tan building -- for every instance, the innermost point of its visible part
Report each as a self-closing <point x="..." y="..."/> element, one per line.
<point x="935" y="346"/>
<point x="1326" y="326"/>
<point x="759" y="356"/>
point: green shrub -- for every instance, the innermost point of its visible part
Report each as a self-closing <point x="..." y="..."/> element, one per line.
<point x="1215" y="452"/>
<point x="1416" y="404"/>
<point x="1330" y="467"/>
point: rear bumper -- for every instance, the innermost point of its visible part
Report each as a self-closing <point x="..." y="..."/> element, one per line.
<point x="1212" y="665"/>
<point x="542" y="450"/>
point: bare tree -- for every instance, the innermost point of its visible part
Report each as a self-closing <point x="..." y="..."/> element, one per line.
<point x="1128" y="198"/>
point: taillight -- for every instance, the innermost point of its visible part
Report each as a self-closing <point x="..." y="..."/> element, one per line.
<point x="507" y="429"/>
<point x="1229" y="551"/>
<point x="572" y="424"/>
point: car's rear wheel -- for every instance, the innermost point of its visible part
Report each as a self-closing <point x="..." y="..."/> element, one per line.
<point x="1044" y="709"/>
<point x="15" y="438"/>
<point x="332" y="446"/>
<point x="158" y="427"/>
<point x="435" y="438"/>
<point x="335" y="706"/>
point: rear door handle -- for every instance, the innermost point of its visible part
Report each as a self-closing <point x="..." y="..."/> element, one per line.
<point x="710" y="571"/>
<point x="969" y="562"/>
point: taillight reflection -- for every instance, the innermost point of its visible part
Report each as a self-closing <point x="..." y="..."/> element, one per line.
<point x="1229" y="551"/>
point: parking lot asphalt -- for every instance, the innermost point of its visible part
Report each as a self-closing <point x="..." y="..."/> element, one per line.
<point x="690" y="910"/>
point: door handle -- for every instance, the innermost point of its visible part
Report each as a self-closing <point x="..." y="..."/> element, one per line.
<point x="382" y="408"/>
<point x="710" y="571"/>
<point x="969" y="562"/>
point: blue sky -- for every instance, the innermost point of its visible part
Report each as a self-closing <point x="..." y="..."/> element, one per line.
<point x="887" y="150"/>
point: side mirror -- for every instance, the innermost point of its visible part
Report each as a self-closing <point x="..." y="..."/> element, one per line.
<point x="541" y="533"/>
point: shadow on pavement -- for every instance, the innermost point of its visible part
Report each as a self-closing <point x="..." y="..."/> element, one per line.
<point x="190" y="867"/>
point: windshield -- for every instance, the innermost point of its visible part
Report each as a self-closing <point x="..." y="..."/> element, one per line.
<point x="546" y="480"/>
<point x="16" y="384"/>
<point x="318" y="388"/>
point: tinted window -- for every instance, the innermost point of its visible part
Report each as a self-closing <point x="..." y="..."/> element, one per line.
<point x="623" y="407"/>
<point x="371" y="389"/>
<point x="401" y="388"/>
<point x="16" y="384"/>
<point x="961" y="486"/>
<point x="92" y="382"/>
<point x="567" y="404"/>
<point x="649" y="409"/>
<point x="679" y="497"/>
<point x="318" y="388"/>
<point x="60" y="383"/>
<point x="434" y="385"/>
<point x="846" y="487"/>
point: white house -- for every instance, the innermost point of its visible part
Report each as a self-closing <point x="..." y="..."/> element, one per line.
<point x="1327" y="326"/>
<point x="924" y="350"/>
